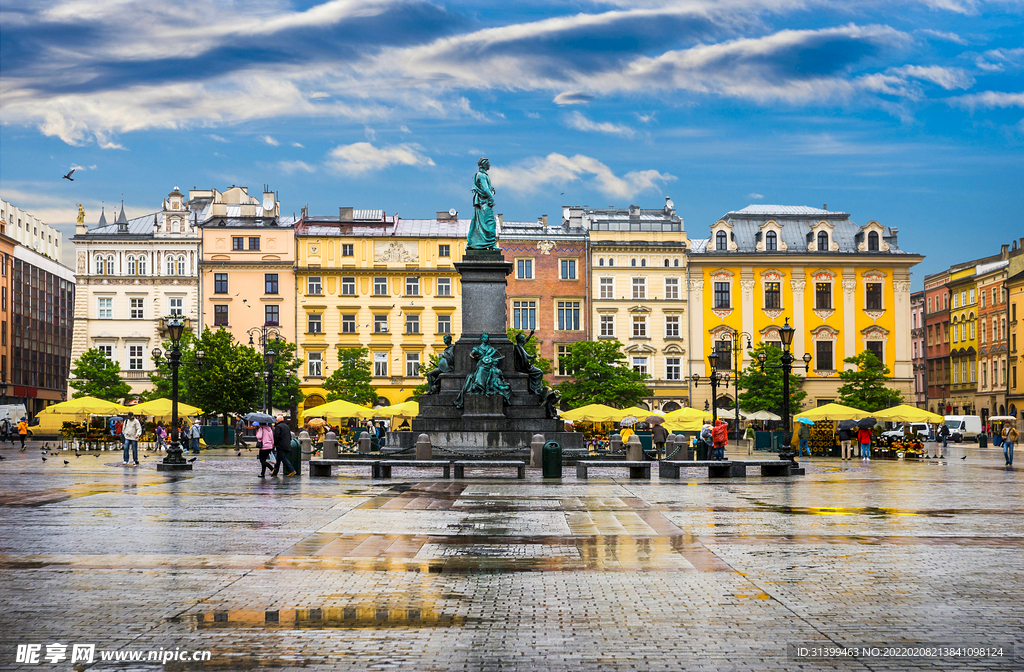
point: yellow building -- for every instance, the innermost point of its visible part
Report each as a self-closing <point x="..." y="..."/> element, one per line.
<point x="845" y="288"/>
<point x="246" y="272"/>
<point x="383" y="283"/>
<point x="963" y="346"/>
<point x="1015" y="338"/>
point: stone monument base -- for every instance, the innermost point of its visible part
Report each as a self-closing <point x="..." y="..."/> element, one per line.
<point x="484" y="444"/>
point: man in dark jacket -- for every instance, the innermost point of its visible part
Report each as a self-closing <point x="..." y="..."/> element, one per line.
<point x="282" y="446"/>
<point x="846" y="439"/>
<point x="659" y="435"/>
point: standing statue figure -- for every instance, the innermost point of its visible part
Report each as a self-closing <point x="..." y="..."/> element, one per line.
<point x="524" y="364"/>
<point x="483" y="229"/>
<point x="445" y="364"/>
<point x="486" y="378"/>
<point x="81" y="214"/>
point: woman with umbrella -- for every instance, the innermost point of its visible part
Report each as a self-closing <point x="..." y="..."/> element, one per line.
<point x="864" y="438"/>
<point x="847" y="431"/>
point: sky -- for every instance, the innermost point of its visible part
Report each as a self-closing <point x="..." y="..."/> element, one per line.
<point x="909" y="112"/>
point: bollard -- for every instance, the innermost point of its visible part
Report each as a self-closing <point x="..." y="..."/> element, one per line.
<point x="305" y="446"/>
<point x="634" y="449"/>
<point x="424" y="451"/>
<point x="672" y="447"/>
<point x="616" y="442"/>
<point x="551" y="457"/>
<point x="364" y="442"/>
<point x="330" y="446"/>
<point x="536" y="448"/>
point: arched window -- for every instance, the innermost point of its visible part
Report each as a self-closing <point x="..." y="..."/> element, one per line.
<point x="170" y="265"/>
<point x="677" y="262"/>
<point x="643" y="262"/>
<point x="600" y="262"/>
<point x="822" y="241"/>
<point x="110" y="265"/>
<point x="99" y="265"/>
<point x="666" y="263"/>
<point x="611" y="262"/>
<point x="873" y="241"/>
<point x="181" y="265"/>
<point x="131" y="265"/>
<point x="771" y="241"/>
<point x="142" y="266"/>
<point x="721" y="242"/>
<point x="632" y="262"/>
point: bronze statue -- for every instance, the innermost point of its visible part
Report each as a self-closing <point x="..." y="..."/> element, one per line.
<point x="524" y="364"/>
<point x="483" y="229"/>
<point x="445" y="364"/>
<point x="486" y="378"/>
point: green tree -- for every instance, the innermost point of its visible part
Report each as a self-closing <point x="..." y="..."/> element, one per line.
<point x="865" y="387"/>
<point x="161" y="376"/>
<point x="601" y="376"/>
<point x="230" y="379"/>
<point x="286" y="374"/>
<point x="97" y="376"/>
<point x="763" y="391"/>
<point x="353" y="379"/>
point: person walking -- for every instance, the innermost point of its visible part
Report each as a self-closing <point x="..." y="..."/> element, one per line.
<point x="625" y="433"/>
<point x="131" y="430"/>
<point x="943" y="436"/>
<point x="265" y="445"/>
<point x="22" y="432"/>
<point x="659" y="435"/>
<point x="864" y="439"/>
<point x="161" y="435"/>
<point x="194" y="434"/>
<point x="283" y="444"/>
<point x="846" y="440"/>
<point x="5" y="430"/>
<point x="1010" y="436"/>
<point x="240" y="434"/>
<point x="749" y="436"/>
<point x="720" y="439"/>
<point x="804" y="435"/>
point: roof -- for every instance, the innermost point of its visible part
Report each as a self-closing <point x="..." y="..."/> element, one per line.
<point x="756" y="209"/>
<point x="632" y="218"/>
<point x="537" y="229"/>
<point x="396" y="228"/>
<point x="140" y="226"/>
<point x="994" y="266"/>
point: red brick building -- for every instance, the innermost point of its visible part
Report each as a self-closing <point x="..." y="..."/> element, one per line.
<point x="936" y="319"/>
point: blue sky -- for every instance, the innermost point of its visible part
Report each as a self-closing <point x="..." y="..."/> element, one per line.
<point x="910" y="113"/>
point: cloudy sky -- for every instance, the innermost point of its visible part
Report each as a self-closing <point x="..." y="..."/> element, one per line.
<point x="909" y="112"/>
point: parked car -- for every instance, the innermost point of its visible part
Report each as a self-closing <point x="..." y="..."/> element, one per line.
<point x="963" y="427"/>
<point x="920" y="429"/>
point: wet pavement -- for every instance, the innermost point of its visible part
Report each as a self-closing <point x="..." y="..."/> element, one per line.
<point x="424" y="573"/>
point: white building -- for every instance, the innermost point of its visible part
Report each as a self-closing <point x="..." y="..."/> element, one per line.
<point x="31" y="232"/>
<point x="132" y="275"/>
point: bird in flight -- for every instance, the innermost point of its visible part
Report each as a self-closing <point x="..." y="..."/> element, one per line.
<point x="68" y="176"/>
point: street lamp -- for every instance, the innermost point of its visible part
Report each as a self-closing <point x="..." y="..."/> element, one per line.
<point x="736" y="350"/>
<point x="270" y="357"/>
<point x="173" y="460"/>
<point x="786" y="333"/>
<point x="263" y="334"/>
<point x="715" y="379"/>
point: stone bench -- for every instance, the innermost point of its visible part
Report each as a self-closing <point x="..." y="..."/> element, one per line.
<point x="460" y="466"/>
<point x="726" y="468"/>
<point x="636" y="469"/>
<point x="323" y="467"/>
<point x="384" y="466"/>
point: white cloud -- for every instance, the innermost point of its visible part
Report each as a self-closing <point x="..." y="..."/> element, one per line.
<point x="947" y="78"/>
<point x="269" y="140"/>
<point x="647" y="118"/>
<point x="214" y="136"/>
<point x="363" y="157"/>
<point x="755" y="197"/>
<point x="573" y="98"/>
<point x="540" y="173"/>
<point x="989" y="100"/>
<point x="369" y="133"/>
<point x="580" y="122"/>
<point x="940" y="35"/>
<point x="319" y="94"/>
<point x="294" y="166"/>
<point x="299" y="145"/>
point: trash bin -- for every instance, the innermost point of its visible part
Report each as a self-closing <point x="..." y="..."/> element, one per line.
<point x="983" y="440"/>
<point x="551" y="459"/>
<point x="295" y="455"/>
<point x="775" y="442"/>
<point x="702" y="450"/>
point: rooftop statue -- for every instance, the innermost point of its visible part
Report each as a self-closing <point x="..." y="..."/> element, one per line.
<point x="81" y="213"/>
<point x="483" y="229"/>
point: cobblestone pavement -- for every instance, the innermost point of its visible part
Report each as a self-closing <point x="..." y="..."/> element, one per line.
<point x="422" y="573"/>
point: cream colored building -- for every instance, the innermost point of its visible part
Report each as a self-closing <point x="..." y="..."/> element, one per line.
<point x="32" y="232"/>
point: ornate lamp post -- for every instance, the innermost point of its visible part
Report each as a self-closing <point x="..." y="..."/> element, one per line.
<point x="263" y="334"/>
<point x="174" y="461"/>
<point x="715" y="379"/>
<point x="736" y="350"/>
<point x="269" y="357"/>
<point x="786" y="334"/>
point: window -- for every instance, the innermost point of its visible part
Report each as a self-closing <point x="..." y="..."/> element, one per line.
<point x="524" y="269"/>
<point x="607" y="288"/>
<point x="380" y="286"/>
<point x="412" y="286"/>
<point x="724" y="350"/>
<point x="444" y="324"/>
<point x="412" y="323"/>
<point x="600" y="262"/>
<point x="220" y="283"/>
<point x="524" y="314"/>
<point x="143" y="264"/>
<point x="673" y="369"/>
<point x="181" y="265"/>
<point x="270" y="283"/>
<point x="639" y="288"/>
<point x="348" y="324"/>
<point x="873" y="296"/>
<point x="640" y="364"/>
<point x="380" y="324"/>
<point x="929" y="304"/>
<point x="676" y="263"/>
<point x="639" y="326"/>
<point x="412" y="364"/>
<point x="721" y="241"/>
<point x="671" y="326"/>
<point x="963" y="298"/>
<point x="271" y="315"/>
<point x="315" y="286"/>
<point x="666" y="263"/>
<point x="237" y="243"/>
<point x="170" y="265"/>
<point x="348" y="250"/>
<point x="632" y="262"/>
<point x="568" y="269"/>
<point x="177" y="305"/>
<point x="972" y="330"/>
<point x="444" y="286"/>
<point x="671" y="288"/>
<point x="562" y="354"/>
<point x="107" y="350"/>
<point x="982" y="297"/>
<point x="773" y="295"/>
<point x="823" y="356"/>
<point x="607" y="326"/>
<point x="771" y="241"/>
<point x="254" y="243"/>
<point x="823" y="296"/>
<point x="380" y="364"/>
<point x="315" y="324"/>
<point x="643" y="262"/>
<point x="875" y="347"/>
<point x="137" y="311"/>
<point x="956" y="300"/>
<point x="872" y="241"/>
<point x="106" y="308"/>
<point x="930" y="334"/>
<point x="822" y="241"/>
<point x="135" y="358"/>
<point x="971" y="295"/>
<point x="315" y="365"/>
<point x="220" y="316"/>
<point x="611" y="262"/>
<point x="984" y="374"/>
<point x="131" y="265"/>
<point x="444" y="250"/>
<point x="99" y="266"/>
<point x="722" y="295"/>
<point x="568" y="315"/>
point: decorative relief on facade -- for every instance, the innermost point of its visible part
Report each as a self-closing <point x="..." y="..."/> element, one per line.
<point x="825" y="333"/>
<point x="770" y="334"/>
<point x="722" y="333"/>
<point x="721" y="275"/>
<point x="901" y="286"/>
<point x="721" y="313"/>
<point x="797" y="285"/>
<point x="875" y="331"/>
<point x="81" y="262"/>
<point x="849" y="285"/>
<point x="747" y="286"/>
<point x="773" y="313"/>
<point x="772" y="275"/>
<point x="695" y="285"/>
<point x="394" y="250"/>
<point x="823" y="276"/>
<point x="773" y="226"/>
<point x="545" y="246"/>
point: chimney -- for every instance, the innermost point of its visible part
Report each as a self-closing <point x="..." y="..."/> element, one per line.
<point x="500" y="219"/>
<point x="345" y="213"/>
<point x="1004" y="251"/>
<point x="447" y="215"/>
<point x="824" y="206"/>
<point x="544" y="220"/>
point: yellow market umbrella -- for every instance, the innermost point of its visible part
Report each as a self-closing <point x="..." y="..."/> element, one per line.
<point x="685" y="425"/>
<point x="834" y="412"/>
<point x="593" y="413"/>
<point x="906" y="413"/>
<point x="86" y="406"/>
<point x="160" y="409"/>
<point x="406" y="409"/>
<point x="635" y="411"/>
<point x="687" y="413"/>
<point x="336" y="411"/>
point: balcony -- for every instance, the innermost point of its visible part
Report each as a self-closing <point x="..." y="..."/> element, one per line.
<point x="163" y="325"/>
<point x="135" y="375"/>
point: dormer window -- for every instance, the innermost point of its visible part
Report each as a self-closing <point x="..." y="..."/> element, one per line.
<point x="771" y="241"/>
<point x="822" y="241"/>
<point x="872" y="241"/>
<point x="721" y="241"/>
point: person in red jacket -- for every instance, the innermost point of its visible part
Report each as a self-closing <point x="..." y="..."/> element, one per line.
<point x="720" y="438"/>
<point x="864" y="439"/>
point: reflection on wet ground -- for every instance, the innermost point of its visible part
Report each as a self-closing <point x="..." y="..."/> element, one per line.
<point x="493" y="573"/>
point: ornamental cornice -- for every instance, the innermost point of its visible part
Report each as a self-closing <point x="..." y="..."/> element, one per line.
<point x="169" y="280"/>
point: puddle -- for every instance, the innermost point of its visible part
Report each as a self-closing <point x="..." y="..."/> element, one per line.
<point x="386" y="616"/>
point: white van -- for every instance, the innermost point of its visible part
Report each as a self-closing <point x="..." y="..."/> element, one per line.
<point x="963" y="427"/>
